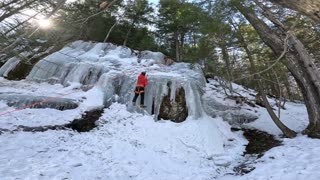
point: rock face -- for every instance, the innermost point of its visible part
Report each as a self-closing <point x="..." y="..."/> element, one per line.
<point x="175" y="110"/>
<point x="235" y="116"/>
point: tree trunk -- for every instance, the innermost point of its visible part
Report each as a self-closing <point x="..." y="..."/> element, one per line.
<point x="225" y="57"/>
<point x="182" y="35"/>
<point x="310" y="95"/>
<point x="59" y="4"/>
<point x="285" y="130"/>
<point x="288" y="89"/>
<point x="310" y="8"/>
<point x="177" y="44"/>
<point x="21" y="23"/>
<point x="3" y="5"/>
<point x="299" y="63"/>
<point x="127" y="37"/>
<point x="110" y="30"/>
<point x="128" y="33"/>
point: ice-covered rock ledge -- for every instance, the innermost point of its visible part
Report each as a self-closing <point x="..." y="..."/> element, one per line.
<point x="174" y="92"/>
<point x="28" y="101"/>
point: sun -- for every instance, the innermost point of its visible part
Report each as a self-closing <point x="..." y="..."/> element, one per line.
<point x="44" y="23"/>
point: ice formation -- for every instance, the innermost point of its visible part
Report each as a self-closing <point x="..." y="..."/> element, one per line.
<point x="114" y="70"/>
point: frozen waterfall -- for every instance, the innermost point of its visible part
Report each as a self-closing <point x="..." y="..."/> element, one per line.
<point x="114" y="70"/>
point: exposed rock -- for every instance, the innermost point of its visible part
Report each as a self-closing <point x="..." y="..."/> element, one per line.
<point x="241" y="100"/>
<point x="175" y="110"/>
<point x="168" y="61"/>
<point x="87" y="121"/>
<point x="235" y="116"/>
<point x="40" y="128"/>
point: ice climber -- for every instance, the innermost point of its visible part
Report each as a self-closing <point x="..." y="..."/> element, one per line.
<point x="141" y="84"/>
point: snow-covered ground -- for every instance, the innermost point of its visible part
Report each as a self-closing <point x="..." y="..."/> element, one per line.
<point x="125" y="146"/>
<point x="133" y="146"/>
<point x="296" y="159"/>
<point x="295" y="117"/>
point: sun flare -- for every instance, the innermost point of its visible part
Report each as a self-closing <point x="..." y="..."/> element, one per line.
<point x="44" y="23"/>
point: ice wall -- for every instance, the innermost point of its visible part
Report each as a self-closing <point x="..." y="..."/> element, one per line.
<point x="114" y="70"/>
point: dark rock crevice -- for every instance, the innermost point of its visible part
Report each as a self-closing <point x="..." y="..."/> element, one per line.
<point x="259" y="142"/>
<point x="176" y="110"/>
<point x="87" y="122"/>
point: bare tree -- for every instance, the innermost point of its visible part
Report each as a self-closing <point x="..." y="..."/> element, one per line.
<point x="298" y="61"/>
<point x="20" y="23"/>
<point x="59" y="4"/>
<point x="110" y="30"/>
<point x="15" y="7"/>
<point x="286" y="131"/>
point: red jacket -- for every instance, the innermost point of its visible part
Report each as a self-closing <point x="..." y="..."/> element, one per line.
<point x="142" y="81"/>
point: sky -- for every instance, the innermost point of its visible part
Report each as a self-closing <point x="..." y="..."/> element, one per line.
<point x="154" y="1"/>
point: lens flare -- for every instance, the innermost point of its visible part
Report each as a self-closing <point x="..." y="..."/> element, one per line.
<point x="44" y="23"/>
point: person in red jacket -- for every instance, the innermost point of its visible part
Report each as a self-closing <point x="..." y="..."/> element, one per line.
<point x="139" y="90"/>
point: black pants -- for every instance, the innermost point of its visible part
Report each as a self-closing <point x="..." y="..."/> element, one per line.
<point x="139" y="90"/>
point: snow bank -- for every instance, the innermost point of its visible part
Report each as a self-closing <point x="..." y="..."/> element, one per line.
<point x="124" y="146"/>
<point x="297" y="159"/>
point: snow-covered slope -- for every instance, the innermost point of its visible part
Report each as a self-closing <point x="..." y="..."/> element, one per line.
<point x="295" y="116"/>
<point x="296" y="159"/>
<point x="124" y="146"/>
